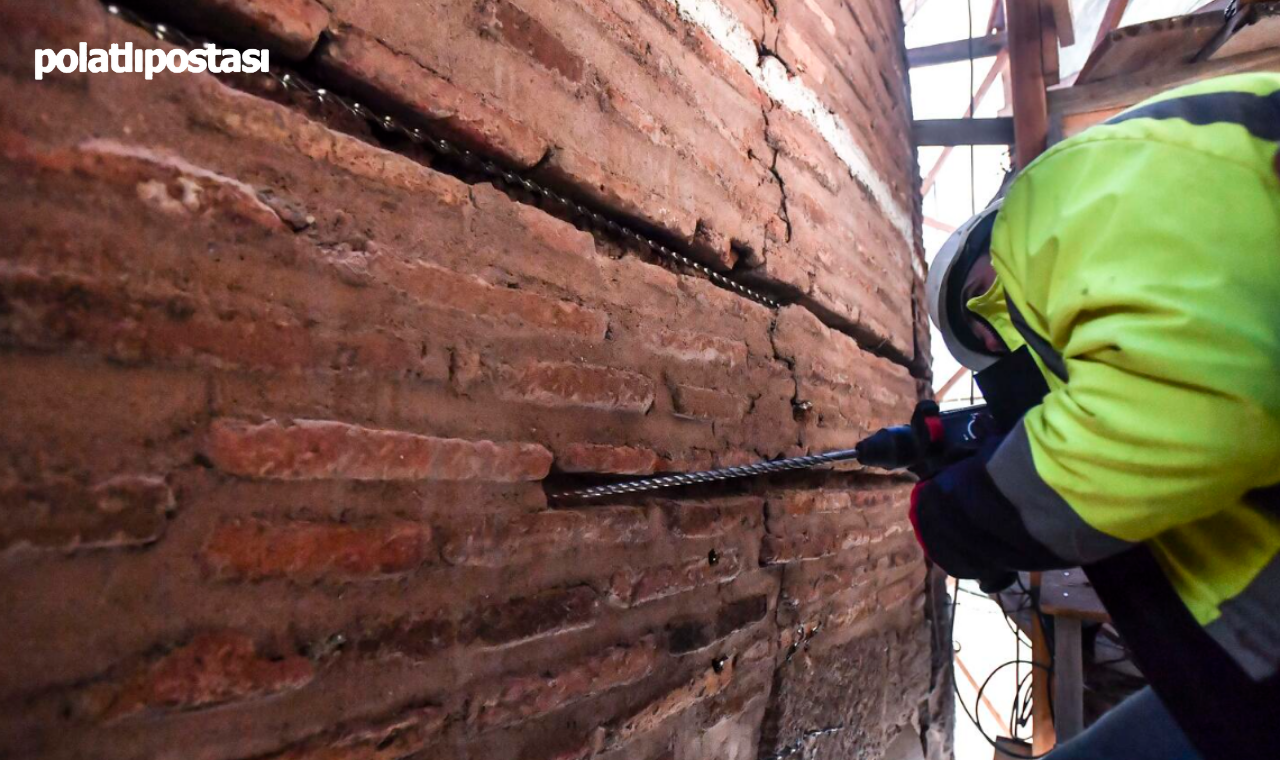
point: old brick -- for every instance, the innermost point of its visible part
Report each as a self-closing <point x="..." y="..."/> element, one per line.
<point x="211" y="668"/>
<point x="801" y="503"/>
<point x="533" y="616"/>
<point x="708" y="404"/>
<point x="630" y="587"/>
<point x="307" y="551"/>
<point x="520" y="698"/>
<point x="500" y="540"/>
<point x="128" y="510"/>
<point x="320" y="449"/>
<point x="699" y="633"/>
<point x="714" y="519"/>
<point x="901" y="590"/>
<point x="165" y="182"/>
<point x="507" y="22"/>
<point x="577" y="385"/>
<point x="288" y="27"/>
<point x="368" y="66"/>
<point x="807" y="538"/>
<point x="706" y="684"/>
<point x="400" y="737"/>
<point x="168" y="325"/>
<point x="619" y="460"/>
<point x="517" y="311"/>
<point x="696" y="347"/>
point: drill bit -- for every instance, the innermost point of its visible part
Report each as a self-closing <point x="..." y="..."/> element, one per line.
<point x="709" y="476"/>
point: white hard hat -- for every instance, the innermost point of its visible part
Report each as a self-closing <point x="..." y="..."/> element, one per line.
<point x="945" y="285"/>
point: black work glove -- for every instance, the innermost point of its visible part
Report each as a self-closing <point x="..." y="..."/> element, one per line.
<point x="942" y="513"/>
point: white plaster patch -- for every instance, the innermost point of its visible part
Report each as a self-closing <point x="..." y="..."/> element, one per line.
<point x="792" y="94"/>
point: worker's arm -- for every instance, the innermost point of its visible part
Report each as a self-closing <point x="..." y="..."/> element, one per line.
<point x="1156" y="271"/>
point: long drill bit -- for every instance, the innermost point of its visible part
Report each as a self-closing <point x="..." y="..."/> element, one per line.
<point x="709" y="476"/>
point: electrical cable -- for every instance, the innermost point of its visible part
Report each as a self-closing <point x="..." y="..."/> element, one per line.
<point x="1021" y="712"/>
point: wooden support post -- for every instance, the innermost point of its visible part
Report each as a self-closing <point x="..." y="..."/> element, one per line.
<point x="1043" y="736"/>
<point x="1030" y="103"/>
<point x="1068" y="691"/>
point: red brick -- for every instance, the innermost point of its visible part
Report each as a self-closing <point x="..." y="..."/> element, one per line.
<point x="168" y="325"/>
<point x="577" y="385"/>
<point x="708" y="403"/>
<point x="502" y="540"/>
<point x="619" y="460"/>
<point x="308" y="551"/>
<point x="210" y="669"/>
<point x="369" y="66"/>
<point x="700" y="633"/>
<point x="505" y="21"/>
<point x="517" y="311"/>
<point x="534" y="616"/>
<point x="400" y="737"/>
<point x="807" y="538"/>
<point x="902" y="590"/>
<point x="169" y="184"/>
<point x="801" y="503"/>
<point x="703" y="686"/>
<point x="697" y="348"/>
<point x="520" y="698"/>
<point x="319" y="449"/>
<point x="267" y="127"/>
<point x="715" y="519"/>
<point x="289" y="27"/>
<point x="630" y="587"/>
<point x="128" y="510"/>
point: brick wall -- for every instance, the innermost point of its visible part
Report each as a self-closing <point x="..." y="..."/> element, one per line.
<point x="284" y="397"/>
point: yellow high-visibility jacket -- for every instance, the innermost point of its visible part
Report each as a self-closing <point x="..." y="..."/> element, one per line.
<point x="1140" y="262"/>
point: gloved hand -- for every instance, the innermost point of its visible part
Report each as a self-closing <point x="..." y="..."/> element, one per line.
<point x="942" y="514"/>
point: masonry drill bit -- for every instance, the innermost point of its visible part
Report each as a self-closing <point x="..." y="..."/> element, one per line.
<point x="709" y="476"/>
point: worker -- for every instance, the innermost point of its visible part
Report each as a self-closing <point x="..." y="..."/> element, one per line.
<point x="1121" y="308"/>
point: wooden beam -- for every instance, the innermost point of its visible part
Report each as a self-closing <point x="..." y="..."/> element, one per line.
<point x="1063" y="23"/>
<point x="995" y="21"/>
<point x="937" y="225"/>
<point x="1123" y="92"/>
<point x="999" y="67"/>
<point x="1030" y="103"/>
<point x="956" y="50"/>
<point x="996" y="131"/>
<point x="1043" y="734"/>
<point x="1110" y="20"/>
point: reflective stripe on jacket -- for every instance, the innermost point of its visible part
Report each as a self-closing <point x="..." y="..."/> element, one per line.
<point x="1140" y="261"/>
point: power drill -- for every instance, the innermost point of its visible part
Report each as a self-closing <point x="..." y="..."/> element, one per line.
<point x="931" y="441"/>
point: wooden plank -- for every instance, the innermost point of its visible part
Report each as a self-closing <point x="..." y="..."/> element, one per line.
<point x="1062" y="22"/>
<point x="1074" y="124"/>
<point x="1049" y="43"/>
<point x="1068" y="688"/>
<point x="1030" y="103"/>
<point x="1012" y="748"/>
<point x="996" y="131"/>
<point x="1127" y="91"/>
<point x="1154" y="44"/>
<point x="1068" y="593"/>
<point x="1043" y="734"/>
<point x="957" y="50"/>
